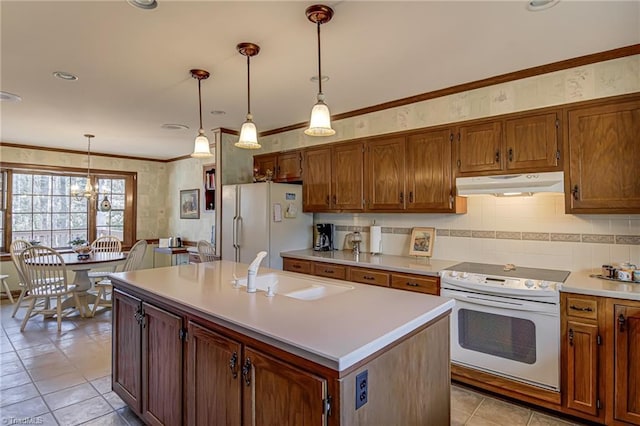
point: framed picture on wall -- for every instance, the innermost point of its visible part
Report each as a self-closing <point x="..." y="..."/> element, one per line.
<point x="190" y="204"/>
<point x="422" y="240"/>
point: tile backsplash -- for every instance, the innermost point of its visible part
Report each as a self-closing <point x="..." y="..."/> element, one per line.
<point x="528" y="231"/>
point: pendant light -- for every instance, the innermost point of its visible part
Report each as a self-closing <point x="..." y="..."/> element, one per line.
<point x="201" y="145"/>
<point x="248" y="134"/>
<point x="90" y="193"/>
<point x="320" y="123"/>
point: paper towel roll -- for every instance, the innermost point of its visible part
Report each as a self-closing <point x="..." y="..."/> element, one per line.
<point x="375" y="239"/>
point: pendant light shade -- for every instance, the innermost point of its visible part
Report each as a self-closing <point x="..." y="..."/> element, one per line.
<point x="320" y="123"/>
<point x="248" y="133"/>
<point x="201" y="144"/>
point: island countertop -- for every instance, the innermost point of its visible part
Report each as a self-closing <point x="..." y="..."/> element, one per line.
<point x="336" y="331"/>
<point x="406" y="264"/>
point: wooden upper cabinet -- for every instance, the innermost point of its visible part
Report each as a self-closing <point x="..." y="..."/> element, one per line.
<point x="429" y="178"/>
<point x="531" y="142"/>
<point x="385" y="165"/>
<point x="288" y="167"/>
<point x="627" y="363"/>
<point x="347" y="184"/>
<point x="316" y="183"/>
<point x="213" y="385"/>
<point x="264" y="162"/>
<point x="277" y="393"/>
<point x="333" y="178"/>
<point x="285" y="166"/>
<point x="604" y="158"/>
<point x="480" y="147"/>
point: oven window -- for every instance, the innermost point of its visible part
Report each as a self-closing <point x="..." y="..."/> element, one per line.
<point x="498" y="335"/>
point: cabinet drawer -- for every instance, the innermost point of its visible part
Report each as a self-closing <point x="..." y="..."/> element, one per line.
<point x="295" y="265"/>
<point x="369" y="276"/>
<point x="582" y="307"/>
<point x="422" y="284"/>
<point x="330" y="271"/>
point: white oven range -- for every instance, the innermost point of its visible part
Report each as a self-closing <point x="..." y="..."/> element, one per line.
<point x="506" y="320"/>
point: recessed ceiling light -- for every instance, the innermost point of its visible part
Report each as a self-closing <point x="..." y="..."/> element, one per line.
<point x="143" y="4"/>
<point x="537" y="5"/>
<point x="171" y="126"/>
<point x="9" y="97"/>
<point x="65" y="75"/>
<point x="314" y="79"/>
<point x="218" y="112"/>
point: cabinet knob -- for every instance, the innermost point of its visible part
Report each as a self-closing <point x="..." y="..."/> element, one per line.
<point x="571" y="336"/>
<point x="497" y="156"/>
<point x="621" y="323"/>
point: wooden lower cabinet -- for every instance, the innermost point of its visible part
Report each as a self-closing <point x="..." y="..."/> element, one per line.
<point x="233" y="379"/>
<point x="626" y="361"/>
<point x="147" y="359"/>
<point x="411" y="282"/>
<point x="601" y="359"/>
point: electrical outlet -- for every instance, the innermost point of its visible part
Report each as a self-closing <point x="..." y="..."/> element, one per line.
<point x="362" y="388"/>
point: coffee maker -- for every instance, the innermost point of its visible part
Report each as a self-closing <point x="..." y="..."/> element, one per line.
<point x="324" y="237"/>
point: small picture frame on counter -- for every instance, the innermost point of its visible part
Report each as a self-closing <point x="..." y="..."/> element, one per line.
<point x="422" y="241"/>
<point x="190" y="204"/>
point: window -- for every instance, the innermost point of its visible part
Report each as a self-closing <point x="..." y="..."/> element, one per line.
<point x="38" y="206"/>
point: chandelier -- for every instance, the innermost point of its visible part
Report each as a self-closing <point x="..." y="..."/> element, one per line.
<point x="90" y="193"/>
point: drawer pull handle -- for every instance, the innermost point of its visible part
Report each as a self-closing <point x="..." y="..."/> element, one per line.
<point x="246" y="372"/>
<point x="233" y="362"/>
<point x="621" y="323"/>
<point x="296" y="266"/>
<point x="329" y="271"/>
<point x="411" y="284"/>
<point x="581" y="309"/>
<point x="368" y="277"/>
<point x="571" y="336"/>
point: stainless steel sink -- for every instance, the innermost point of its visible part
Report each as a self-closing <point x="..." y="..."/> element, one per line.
<point x="307" y="289"/>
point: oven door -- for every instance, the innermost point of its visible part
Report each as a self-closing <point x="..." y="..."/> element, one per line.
<point x="513" y="338"/>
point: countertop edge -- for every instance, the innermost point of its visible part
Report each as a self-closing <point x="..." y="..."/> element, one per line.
<point x="580" y="282"/>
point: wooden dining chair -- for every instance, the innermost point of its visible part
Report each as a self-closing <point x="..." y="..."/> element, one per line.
<point x="206" y="251"/>
<point x="15" y="249"/>
<point x="133" y="262"/>
<point x="107" y="243"/>
<point x="45" y="274"/>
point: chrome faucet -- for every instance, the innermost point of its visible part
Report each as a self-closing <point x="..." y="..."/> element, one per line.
<point x="253" y="271"/>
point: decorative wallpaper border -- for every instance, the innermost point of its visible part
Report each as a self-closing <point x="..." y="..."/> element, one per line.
<point x="510" y="235"/>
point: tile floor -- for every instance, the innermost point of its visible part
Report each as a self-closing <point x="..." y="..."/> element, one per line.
<point x="64" y="379"/>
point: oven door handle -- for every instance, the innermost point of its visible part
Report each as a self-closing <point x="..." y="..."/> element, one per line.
<point x="516" y="305"/>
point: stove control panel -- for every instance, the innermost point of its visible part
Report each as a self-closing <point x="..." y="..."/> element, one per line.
<point x="507" y="283"/>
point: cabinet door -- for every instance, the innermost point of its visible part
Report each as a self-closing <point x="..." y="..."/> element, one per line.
<point x="213" y="385"/>
<point x="385" y="174"/>
<point x="316" y="184"/>
<point x="582" y="367"/>
<point x="264" y="162"/>
<point x="161" y="367"/>
<point x="126" y="340"/>
<point x="480" y="147"/>
<point x="348" y="175"/>
<point x="604" y="158"/>
<point x="532" y="142"/>
<point x="277" y="393"/>
<point x="429" y="177"/>
<point x="289" y="167"/>
<point x="627" y="364"/>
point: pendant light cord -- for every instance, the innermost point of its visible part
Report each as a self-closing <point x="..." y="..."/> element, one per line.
<point x="248" y="84"/>
<point x="319" y="62"/>
<point x="89" y="159"/>
<point x="200" y="103"/>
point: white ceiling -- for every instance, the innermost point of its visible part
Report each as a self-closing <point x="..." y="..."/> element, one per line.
<point x="133" y="65"/>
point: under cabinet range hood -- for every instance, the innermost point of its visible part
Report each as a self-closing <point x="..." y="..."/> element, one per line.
<point x="511" y="185"/>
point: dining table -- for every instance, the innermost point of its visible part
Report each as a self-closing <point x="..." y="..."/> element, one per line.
<point x="81" y="268"/>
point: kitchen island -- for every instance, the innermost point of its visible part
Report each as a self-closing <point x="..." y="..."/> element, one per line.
<point x="191" y="346"/>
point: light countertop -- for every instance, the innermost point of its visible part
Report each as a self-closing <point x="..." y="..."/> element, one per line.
<point x="580" y="282"/>
<point x="406" y="264"/>
<point x="336" y="331"/>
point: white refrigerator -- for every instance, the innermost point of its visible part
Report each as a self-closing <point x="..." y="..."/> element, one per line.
<point x="263" y="216"/>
